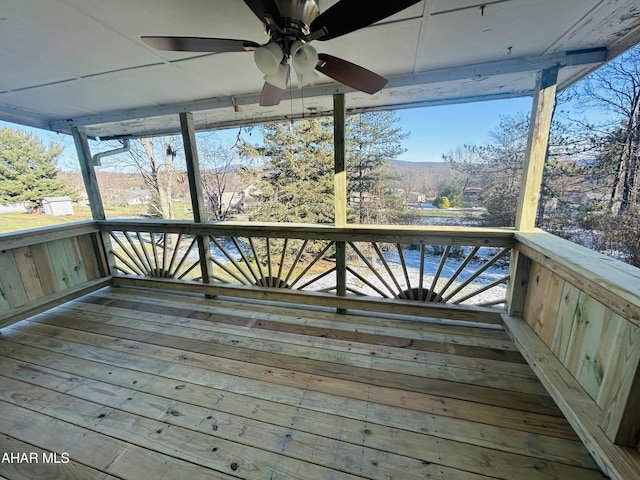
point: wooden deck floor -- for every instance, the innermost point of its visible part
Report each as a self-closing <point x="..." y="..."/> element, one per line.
<point x="134" y="384"/>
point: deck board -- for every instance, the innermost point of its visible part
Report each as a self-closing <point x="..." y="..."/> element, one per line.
<point x="201" y="387"/>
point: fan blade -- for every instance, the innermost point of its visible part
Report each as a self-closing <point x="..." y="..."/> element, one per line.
<point x="270" y="95"/>
<point x="200" y="44"/>
<point x="347" y="16"/>
<point x="267" y="11"/>
<point x="350" y="74"/>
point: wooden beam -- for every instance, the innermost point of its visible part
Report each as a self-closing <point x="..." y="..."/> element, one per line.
<point x="537" y="145"/>
<point x="341" y="272"/>
<point x="340" y="182"/>
<point x="519" y="270"/>
<point x="193" y="166"/>
<point x="88" y="173"/>
<point x="93" y="193"/>
<point x="195" y="189"/>
<point x="407" y="234"/>
<point x="53" y="300"/>
<point x="591" y="57"/>
<point x="469" y="313"/>
<point x="340" y="190"/>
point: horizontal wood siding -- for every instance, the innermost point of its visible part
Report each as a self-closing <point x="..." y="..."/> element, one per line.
<point x="33" y="272"/>
<point x="583" y="333"/>
<point x="542" y="316"/>
<point x="599" y="347"/>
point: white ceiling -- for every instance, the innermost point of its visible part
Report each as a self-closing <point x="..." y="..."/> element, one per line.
<point x="81" y="62"/>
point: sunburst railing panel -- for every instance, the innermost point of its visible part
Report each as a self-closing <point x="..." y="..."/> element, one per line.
<point x="455" y="266"/>
<point x="274" y="262"/>
<point x="155" y="255"/>
<point x="471" y="275"/>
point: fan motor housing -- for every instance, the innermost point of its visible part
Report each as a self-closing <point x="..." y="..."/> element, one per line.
<point x="304" y="11"/>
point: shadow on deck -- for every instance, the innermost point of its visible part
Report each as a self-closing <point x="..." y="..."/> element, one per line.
<point x="136" y="384"/>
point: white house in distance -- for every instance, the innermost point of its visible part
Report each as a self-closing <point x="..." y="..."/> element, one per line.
<point x="57" y="206"/>
<point x="13" y="207"/>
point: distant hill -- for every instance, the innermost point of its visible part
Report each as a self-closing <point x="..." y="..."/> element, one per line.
<point x="419" y="180"/>
<point x="418" y="165"/>
<point x="415" y="169"/>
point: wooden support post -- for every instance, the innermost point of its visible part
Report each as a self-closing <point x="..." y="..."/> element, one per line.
<point x="88" y="173"/>
<point x="103" y="252"/>
<point x="537" y="144"/>
<point x="341" y="271"/>
<point x="340" y="182"/>
<point x="340" y="191"/>
<point x="519" y="270"/>
<point x="195" y="189"/>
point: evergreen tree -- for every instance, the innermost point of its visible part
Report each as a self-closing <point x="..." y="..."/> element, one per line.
<point x="297" y="182"/>
<point x="453" y="192"/>
<point x="28" y="169"/>
<point x="443" y="202"/>
<point x="372" y="142"/>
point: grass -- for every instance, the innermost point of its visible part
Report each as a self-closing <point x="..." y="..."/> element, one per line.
<point x="11" y="222"/>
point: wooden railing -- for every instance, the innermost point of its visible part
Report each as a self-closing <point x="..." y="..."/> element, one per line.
<point x="152" y="254"/>
<point x="575" y="315"/>
<point x="443" y="266"/>
<point x="44" y="267"/>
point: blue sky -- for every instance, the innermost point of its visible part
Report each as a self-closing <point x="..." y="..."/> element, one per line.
<point x="433" y="131"/>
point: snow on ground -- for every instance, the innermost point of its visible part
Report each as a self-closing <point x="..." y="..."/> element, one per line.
<point x="412" y="262"/>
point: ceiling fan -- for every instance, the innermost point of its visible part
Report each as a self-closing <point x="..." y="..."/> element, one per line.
<point x="290" y="26"/>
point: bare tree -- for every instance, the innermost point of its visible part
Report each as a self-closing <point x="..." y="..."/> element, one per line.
<point x="156" y="159"/>
<point x="225" y="183"/>
<point x="161" y="174"/>
<point x="464" y="160"/>
<point x="615" y="89"/>
<point x="497" y="168"/>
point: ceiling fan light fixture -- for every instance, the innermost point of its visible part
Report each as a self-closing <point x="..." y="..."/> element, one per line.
<point x="304" y="59"/>
<point x="268" y="58"/>
<point x="280" y="78"/>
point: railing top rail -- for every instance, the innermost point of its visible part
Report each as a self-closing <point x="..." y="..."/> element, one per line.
<point x="612" y="282"/>
<point x="34" y="236"/>
<point x="467" y="236"/>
